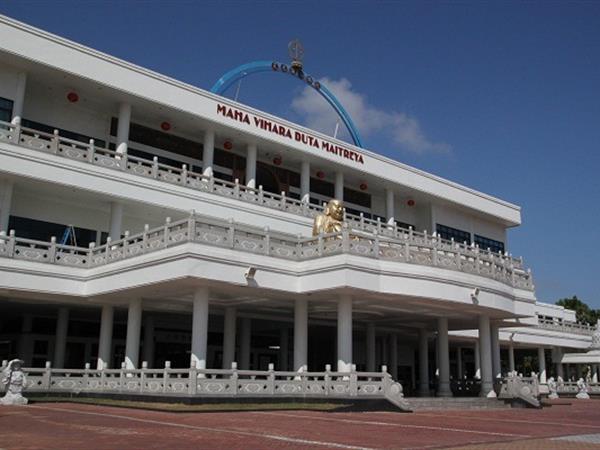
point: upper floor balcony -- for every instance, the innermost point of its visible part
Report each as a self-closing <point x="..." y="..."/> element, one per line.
<point x="554" y="324"/>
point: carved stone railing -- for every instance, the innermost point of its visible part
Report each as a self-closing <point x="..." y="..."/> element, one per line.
<point x="570" y="387"/>
<point x="89" y="153"/>
<point x="232" y="383"/>
<point x="407" y="248"/>
<point x="565" y="326"/>
<point x="525" y="389"/>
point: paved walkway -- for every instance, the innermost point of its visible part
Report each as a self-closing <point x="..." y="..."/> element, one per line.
<point x="77" y="426"/>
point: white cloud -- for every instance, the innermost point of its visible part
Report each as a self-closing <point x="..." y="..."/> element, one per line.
<point x="401" y="128"/>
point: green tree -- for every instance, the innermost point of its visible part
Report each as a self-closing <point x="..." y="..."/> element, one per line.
<point x="583" y="312"/>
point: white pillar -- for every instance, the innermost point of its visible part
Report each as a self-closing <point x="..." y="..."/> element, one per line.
<point x="200" y="327"/>
<point x="389" y="206"/>
<point x="339" y="186"/>
<point x="459" y="364"/>
<point x="444" y="356"/>
<point x="511" y="358"/>
<point x="542" y="364"/>
<point x="300" y="334"/>
<point x="123" y="127"/>
<point x="423" y="363"/>
<point x="485" y="352"/>
<point x="305" y="182"/>
<point x="370" y="347"/>
<point x="116" y="220"/>
<point x="134" y="327"/>
<point x="105" y="340"/>
<point x="6" y="194"/>
<point x="245" y="343"/>
<point x="394" y="356"/>
<point x="229" y="323"/>
<point x="251" y="166"/>
<point x="60" y="341"/>
<point x="283" y="349"/>
<point x="208" y="153"/>
<point x="496" y="362"/>
<point x="19" y="99"/>
<point x="344" y="334"/>
<point x="477" y="357"/>
<point x="148" y="345"/>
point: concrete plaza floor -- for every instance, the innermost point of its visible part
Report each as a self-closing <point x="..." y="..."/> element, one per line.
<point x="80" y="426"/>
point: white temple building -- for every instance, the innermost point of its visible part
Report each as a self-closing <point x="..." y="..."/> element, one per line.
<point x="143" y="219"/>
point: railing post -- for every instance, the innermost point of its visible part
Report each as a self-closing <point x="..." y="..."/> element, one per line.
<point x="457" y="256"/>
<point x="123" y="161"/>
<point x="91" y="151"/>
<point x="261" y="195"/>
<point x="47" y="377"/>
<point x="192" y="226"/>
<point x="12" y="240"/>
<point x="320" y="244"/>
<point x="86" y="377"/>
<point x="211" y="183"/>
<point x="108" y="249"/>
<point x="407" y="247"/>
<point x="125" y="244"/>
<point x="477" y="259"/>
<point x="283" y="200"/>
<point x="90" y="254"/>
<point x="145" y="238"/>
<point x="17" y="135"/>
<point x="143" y="375"/>
<point x="271" y="380"/>
<point x="353" y="385"/>
<point x="166" y="376"/>
<point x="193" y="379"/>
<point x="434" y="250"/>
<point x="102" y="379"/>
<point x="345" y="238"/>
<point x="327" y="379"/>
<point x="184" y="174"/>
<point x="55" y="142"/>
<point x="267" y="241"/>
<point x="166" y="232"/>
<point x="233" y="379"/>
<point x="378" y="225"/>
<point x="376" y="245"/>
<point x="52" y="250"/>
<point x="122" y="377"/>
<point x="155" y="167"/>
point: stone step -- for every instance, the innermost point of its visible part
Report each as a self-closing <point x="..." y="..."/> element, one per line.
<point x="429" y="403"/>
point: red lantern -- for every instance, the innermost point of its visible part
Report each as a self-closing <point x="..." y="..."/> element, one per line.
<point x="228" y="145"/>
<point x="165" y="126"/>
<point x="320" y="174"/>
<point x="73" y="97"/>
<point x="363" y="186"/>
<point x="410" y="202"/>
<point x="277" y="160"/>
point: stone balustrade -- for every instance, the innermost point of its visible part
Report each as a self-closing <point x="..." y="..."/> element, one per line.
<point x="231" y="383"/>
<point x="409" y="247"/>
<point x="566" y="326"/>
<point x="571" y="388"/>
<point x="103" y="157"/>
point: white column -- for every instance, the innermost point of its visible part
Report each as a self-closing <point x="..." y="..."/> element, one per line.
<point x="148" y="345"/>
<point x="229" y="323"/>
<point x="123" y="127"/>
<point x="208" y="153"/>
<point x="245" y="343"/>
<point x="6" y="194"/>
<point x="477" y="357"/>
<point x="300" y="334"/>
<point x="251" y="166"/>
<point x="389" y="206"/>
<point x="60" y="341"/>
<point x="305" y="182"/>
<point x="444" y="356"/>
<point x="542" y="364"/>
<point x="423" y="363"/>
<point x="459" y="365"/>
<point x="134" y="328"/>
<point x="511" y="358"/>
<point x="284" y="338"/>
<point x="339" y="186"/>
<point x="116" y="220"/>
<point x="105" y="340"/>
<point x="485" y="352"/>
<point x="496" y="363"/>
<point x="370" y="347"/>
<point x="19" y="99"/>
<point x="200" y="327"/>
<point x="344" y="334"/>
<point x="394" y="356"/>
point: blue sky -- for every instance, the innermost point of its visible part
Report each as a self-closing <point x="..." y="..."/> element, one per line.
<point x="503" y="97"/>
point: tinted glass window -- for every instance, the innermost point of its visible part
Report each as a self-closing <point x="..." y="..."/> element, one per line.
<point x="43" y="231"/>
<point x="449" y="233"/>
<point x="6" y="107"/>
<point x="485" y="243"/>
<point x="62" y="132"/>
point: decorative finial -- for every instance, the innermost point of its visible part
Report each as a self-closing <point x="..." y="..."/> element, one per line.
<point x="296" y="52"/>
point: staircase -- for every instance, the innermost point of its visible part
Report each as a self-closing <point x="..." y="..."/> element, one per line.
<point x="431" y="403"/>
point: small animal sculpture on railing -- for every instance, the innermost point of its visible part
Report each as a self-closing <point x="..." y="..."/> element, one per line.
<point x="14" y="379"/>
<point x="331" y="221"/>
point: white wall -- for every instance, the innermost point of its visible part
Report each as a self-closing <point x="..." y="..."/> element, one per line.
<point x="8" y="81"/>
<point x="461" y="219"/>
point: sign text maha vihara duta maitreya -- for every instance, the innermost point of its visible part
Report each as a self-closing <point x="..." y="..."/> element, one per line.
<point x="281" y="130"/>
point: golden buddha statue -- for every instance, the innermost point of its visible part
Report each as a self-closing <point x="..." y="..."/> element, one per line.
<point x="331" y="221"/>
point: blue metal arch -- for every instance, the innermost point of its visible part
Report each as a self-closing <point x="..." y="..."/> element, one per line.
<point x="268" y="66"/>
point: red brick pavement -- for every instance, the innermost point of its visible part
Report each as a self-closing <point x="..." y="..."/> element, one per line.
<point x="76" y="426"/>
